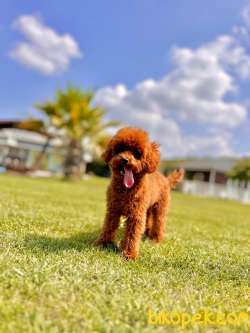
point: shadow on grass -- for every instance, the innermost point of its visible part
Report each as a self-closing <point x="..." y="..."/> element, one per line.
<point x="79" y="242"/>
<point x="208" y="270"/>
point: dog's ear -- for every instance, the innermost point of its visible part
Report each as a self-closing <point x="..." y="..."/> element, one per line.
<point x="107" y="154"/>
<point x="152" y="158"/>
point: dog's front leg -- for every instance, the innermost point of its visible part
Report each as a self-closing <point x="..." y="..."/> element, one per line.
<point x="111" y="223"/>
<point x="134" y="230"/>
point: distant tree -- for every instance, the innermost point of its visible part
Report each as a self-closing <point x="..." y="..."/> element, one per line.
<point x="75" y="120"/>
<point x="241" y="170"/>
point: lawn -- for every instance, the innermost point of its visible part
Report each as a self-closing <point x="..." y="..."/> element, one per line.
<point x="53" y="280"/>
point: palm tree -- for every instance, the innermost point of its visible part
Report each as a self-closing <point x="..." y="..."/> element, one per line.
<point x="74" y="117"/>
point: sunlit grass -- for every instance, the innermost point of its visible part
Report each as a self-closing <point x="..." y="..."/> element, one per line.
<point x="53" y="280"/>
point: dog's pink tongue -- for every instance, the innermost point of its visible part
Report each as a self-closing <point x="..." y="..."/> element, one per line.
<point x="128" y="179"/>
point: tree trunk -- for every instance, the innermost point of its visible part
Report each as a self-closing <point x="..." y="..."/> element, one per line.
<point x="40" y="156"/>
<point x="74" y="166"/>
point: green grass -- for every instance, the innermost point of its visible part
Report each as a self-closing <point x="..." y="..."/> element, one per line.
<point x="53" y="280"/>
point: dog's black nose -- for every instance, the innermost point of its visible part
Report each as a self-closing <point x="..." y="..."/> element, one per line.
<point x="124" y="160"/>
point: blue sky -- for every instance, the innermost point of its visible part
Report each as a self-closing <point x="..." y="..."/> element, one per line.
<point x="180" y="69"/>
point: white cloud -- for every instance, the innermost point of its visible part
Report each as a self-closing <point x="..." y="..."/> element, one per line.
<point x="195" y="92"/>
<point x="246" y="15"/>
<point x="213" y="145"/>
<point x="44" y="49"/>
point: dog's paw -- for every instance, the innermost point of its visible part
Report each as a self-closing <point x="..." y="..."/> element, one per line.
<point x="130" y="255"/>
<point x="99" y="242"/>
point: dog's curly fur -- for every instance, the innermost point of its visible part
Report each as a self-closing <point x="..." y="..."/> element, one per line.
<point x="145" y="204"/>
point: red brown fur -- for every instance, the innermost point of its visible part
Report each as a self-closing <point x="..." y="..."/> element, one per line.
<point x="145" y="204"/>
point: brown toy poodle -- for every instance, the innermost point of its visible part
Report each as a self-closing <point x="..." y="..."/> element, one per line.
<point x="137" y="190"/>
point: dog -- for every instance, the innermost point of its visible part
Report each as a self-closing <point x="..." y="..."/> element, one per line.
<point x="138" y="191"/>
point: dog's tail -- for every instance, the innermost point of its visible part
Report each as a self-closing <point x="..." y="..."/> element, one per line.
<point x="176" y="177"/>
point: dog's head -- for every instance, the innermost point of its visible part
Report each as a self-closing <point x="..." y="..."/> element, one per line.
<point x="130" y="153"/>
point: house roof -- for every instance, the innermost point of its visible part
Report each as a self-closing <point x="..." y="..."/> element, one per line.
<point x="221" y="164"/>
<point x="25" y="139"/>
<point x="7" y="123"/>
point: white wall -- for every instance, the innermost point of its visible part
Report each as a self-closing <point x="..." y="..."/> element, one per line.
<point x="232" y="190"/>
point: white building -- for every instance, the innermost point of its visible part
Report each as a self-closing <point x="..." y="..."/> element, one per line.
<point x="209" y="177"/>
<point x="20" y="148"/>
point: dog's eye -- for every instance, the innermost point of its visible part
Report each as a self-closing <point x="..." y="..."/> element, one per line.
<point x="137" y="154"/>
<point x="119" y="149"/>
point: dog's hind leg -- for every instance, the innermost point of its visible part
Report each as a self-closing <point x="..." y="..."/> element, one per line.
<point x="149" y="222"/>
<point x="159" y="213"/>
